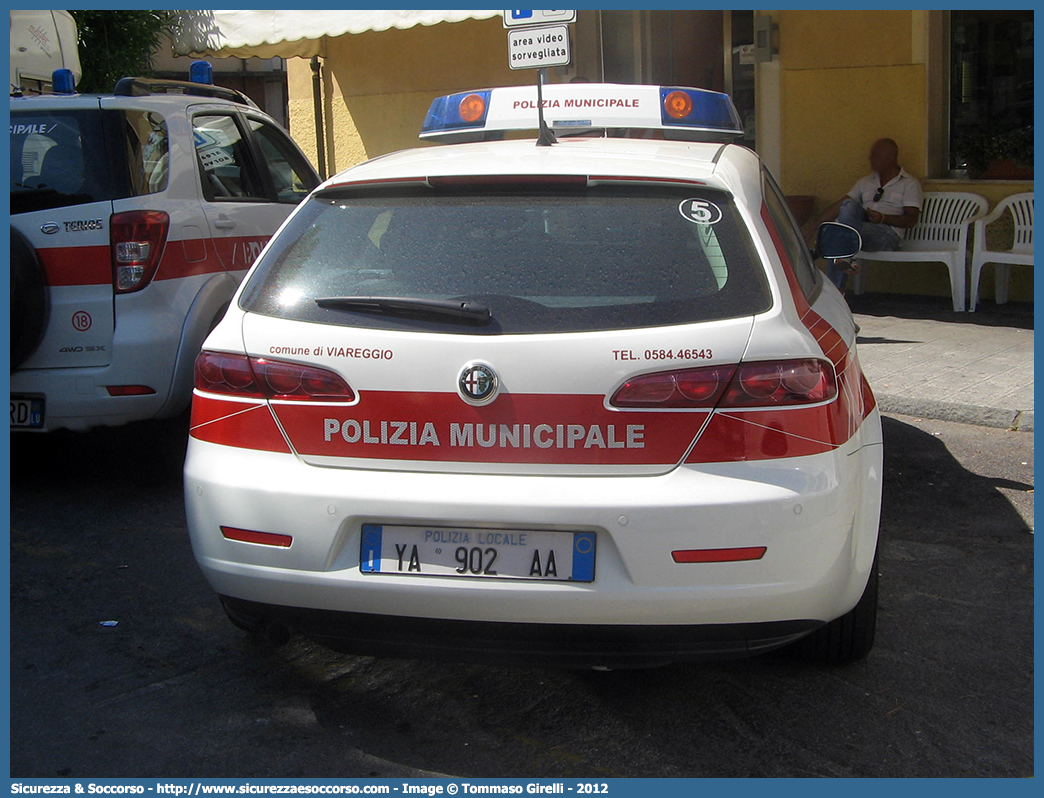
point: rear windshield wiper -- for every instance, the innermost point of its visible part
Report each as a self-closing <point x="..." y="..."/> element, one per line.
<point x="33" y="189"/>
<point x="468" y="312"/>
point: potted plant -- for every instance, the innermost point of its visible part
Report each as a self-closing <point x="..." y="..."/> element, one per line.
<point x="1006" y="155"/>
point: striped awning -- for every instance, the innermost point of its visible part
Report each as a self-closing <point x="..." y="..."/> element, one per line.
<point x="267" y="34"/>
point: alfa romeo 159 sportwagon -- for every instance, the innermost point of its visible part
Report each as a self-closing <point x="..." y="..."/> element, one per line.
<point x="588" y="403"/>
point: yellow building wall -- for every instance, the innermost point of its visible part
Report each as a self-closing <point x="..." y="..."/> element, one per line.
<point x="830" y="117"/>
<point x="848" y="78"/>
<point x="378" y="85"/>
<point x="300" y="106"/>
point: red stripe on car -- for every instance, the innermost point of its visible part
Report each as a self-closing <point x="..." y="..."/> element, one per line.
<point x="829" y="340"/>
<point x="562" y="429"/>
<point x="800" y="301"/>
<point x="76" y="265"/>
<point x="236" y="424"/>
<point x="92" y="265"/>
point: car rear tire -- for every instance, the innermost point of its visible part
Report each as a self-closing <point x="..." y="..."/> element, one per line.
<point x="30" y="300"/>
<point x="846" y="639"/>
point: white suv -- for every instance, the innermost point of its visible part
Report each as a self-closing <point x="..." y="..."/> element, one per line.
<point x="134" y="216"/>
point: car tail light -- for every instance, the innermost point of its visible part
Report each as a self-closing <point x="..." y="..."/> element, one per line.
<point x="781" y="382"/>
<point x="255" y="377"/>
<point x="281" y="380"/>
<point x="137" y="239"/>
<point x="219" y="372"/>
<point x="768" y="384"/>
<point x="686" y="388"/>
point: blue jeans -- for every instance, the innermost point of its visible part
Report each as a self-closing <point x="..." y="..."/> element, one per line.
<point x="876" y="237"/>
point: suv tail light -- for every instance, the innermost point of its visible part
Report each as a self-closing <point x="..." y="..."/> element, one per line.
<point x="769" y="384"/>
<point x="257" y="378"/>
<point x="137" y="243"/>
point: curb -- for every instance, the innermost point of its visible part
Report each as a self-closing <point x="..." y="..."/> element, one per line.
<point x="1021" y="420"/>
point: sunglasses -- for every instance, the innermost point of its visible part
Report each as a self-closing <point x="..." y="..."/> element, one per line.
<point x="878" y="195"/>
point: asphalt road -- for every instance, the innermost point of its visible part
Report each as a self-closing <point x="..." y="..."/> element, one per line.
<point x="98" y="534"/>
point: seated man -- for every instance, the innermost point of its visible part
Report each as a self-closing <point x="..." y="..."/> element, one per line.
<point x="879" y="206"/>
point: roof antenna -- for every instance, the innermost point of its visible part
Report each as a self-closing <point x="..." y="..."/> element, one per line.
<point x="546" y="137"/>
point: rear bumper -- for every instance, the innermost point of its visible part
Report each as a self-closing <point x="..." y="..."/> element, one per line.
<point x="77" y="398"/>
<point x="156" y="340"/>
<point x="563" y="645"/>
<point x="817" y="517"/>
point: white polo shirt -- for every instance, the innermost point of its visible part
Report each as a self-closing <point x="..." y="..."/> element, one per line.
<point x="902" y="191"/>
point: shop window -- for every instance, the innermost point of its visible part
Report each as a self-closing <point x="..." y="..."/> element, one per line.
<point x="991" y="94"/>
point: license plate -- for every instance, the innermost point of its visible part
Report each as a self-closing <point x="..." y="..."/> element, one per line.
<point x="478" y="553"/>
<point x="27" y="412"/>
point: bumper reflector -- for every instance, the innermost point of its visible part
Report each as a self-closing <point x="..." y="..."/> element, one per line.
<point x="129" y="390"/>
<point x="719" y="555"/>
<point x="264" y="538"/>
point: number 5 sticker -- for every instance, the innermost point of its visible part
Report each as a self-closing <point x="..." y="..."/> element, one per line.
<point x="700" y="211"/>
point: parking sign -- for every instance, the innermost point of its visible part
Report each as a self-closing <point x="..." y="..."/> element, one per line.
<point x="517" y="19"/>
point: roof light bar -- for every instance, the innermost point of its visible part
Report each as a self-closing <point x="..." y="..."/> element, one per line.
<point x="63" y="81"/>
<point x="708" y="110"/>
<point x="201" y="72"/>
<point x="680" y="112"/>
<point x="466" y="109"/>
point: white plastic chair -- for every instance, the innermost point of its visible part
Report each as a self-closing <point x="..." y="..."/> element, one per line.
<point x="1020" y="254"/>
<point x="940" y="236"/>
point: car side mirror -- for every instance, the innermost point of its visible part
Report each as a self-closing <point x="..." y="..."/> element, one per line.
<point x="836" y="240"/>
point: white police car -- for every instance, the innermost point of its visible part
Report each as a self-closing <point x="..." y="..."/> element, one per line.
<point x="588" y="403"/>
<point x="134" y="217"/>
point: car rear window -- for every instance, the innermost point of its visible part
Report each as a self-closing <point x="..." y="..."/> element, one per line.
<point x="543" y="260"/>
<point x="57" y="160"/>
<point x="75" y="157"/>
